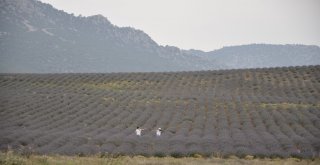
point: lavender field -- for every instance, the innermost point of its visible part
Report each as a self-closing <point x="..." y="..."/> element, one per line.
<point x="271" y="112"/>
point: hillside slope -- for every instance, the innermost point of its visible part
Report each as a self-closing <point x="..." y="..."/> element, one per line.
<point x="37" y="38"/>
<point x="262" y="112"/>
<point x="264" y="55"/>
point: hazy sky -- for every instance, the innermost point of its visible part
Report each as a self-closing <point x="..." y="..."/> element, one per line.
<point x="209" y="24"/>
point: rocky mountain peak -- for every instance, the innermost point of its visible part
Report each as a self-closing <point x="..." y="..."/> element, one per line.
<point x="99" y="19"/>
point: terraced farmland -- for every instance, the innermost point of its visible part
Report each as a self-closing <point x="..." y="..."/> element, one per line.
<point x="262" y="112"/>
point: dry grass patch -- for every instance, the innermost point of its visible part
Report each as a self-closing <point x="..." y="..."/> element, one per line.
<point x="10" y="158"/>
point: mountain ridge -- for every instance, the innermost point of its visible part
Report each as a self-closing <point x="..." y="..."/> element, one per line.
<point x="37" y="38"/>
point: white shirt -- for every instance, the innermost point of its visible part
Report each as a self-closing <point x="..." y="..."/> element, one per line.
<point x="138" y="132"/>
<point x="158" y="132"/>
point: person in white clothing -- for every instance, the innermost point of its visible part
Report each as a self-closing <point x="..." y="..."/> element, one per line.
<point x="138" y="131"/>
<point x="158" y="132"/>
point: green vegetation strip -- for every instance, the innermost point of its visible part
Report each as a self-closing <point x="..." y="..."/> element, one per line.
<point x="289" y="105"/>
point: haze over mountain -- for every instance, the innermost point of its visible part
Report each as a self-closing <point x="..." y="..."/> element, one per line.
<point x="264" y="55"/>
<point x="37" y="38"/>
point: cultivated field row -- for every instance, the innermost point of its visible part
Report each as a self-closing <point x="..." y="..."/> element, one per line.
<point x="263" y="112"/>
